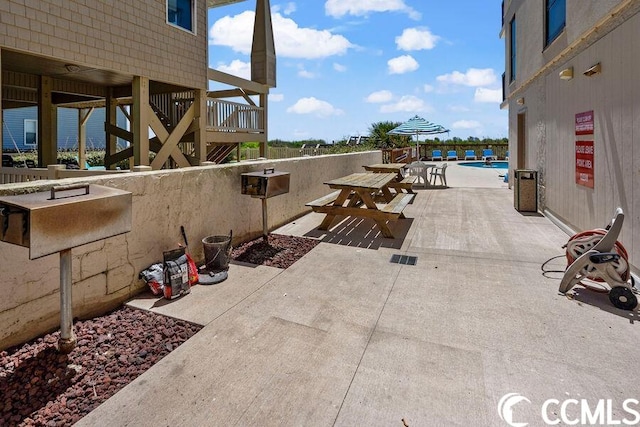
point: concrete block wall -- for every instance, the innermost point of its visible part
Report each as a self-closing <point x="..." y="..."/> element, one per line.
<point x="206" y="200"/>
<point x="129" y="37"/>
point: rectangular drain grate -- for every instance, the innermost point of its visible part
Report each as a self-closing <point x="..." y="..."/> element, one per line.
<point x="404" y="259"/>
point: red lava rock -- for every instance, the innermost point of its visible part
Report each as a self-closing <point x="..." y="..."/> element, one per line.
<point x="48" y="388"/>
<point x="281" y="251"/>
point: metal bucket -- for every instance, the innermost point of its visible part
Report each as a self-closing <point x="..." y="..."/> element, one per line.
<point x="217" y="252"/>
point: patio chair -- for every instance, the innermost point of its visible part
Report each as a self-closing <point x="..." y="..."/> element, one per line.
<point x="506" y="156"/>
<point x="420" y="170"/>
<point x="7" y="161"/>
<point x="452" y="155"/>
<point x="487" y="153"/>
<point x="436" y="154"/>
<point x="439" y="173"/>
<point x="470" y="155"/>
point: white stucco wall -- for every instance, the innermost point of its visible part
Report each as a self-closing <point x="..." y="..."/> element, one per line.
<point x="205" y="200"/>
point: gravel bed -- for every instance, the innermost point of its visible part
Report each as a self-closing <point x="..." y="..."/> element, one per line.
<point x="41" y="387"/>
<point x="281" y="251"/>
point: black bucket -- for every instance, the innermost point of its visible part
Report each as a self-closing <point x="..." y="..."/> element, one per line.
<point x="217" y="252"/>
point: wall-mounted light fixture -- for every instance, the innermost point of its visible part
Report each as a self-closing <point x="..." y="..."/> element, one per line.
<point x="595" y="69"/>
<point x="567" y="73"/>
<point x="520" y="101"/>
<point x="72" y="68"/>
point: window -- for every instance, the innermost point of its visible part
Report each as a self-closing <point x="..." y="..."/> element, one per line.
<point x="512" y="49"/>
<point x="30" y="132"/>
<point x="181" y="13"/>
<point x="555" y="19"/>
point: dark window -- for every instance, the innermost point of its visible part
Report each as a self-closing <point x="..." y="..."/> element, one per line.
<point x="512" y="49"/>
<point x="180" y="13"/>
<point x="556" y="17"/>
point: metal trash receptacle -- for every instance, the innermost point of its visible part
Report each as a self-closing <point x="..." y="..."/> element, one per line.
<point x="525" y="192"/>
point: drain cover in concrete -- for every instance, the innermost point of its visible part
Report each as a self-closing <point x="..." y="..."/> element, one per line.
<point x="404" y="259"/>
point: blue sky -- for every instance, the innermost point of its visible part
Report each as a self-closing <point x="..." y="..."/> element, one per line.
<point x="343" y="65"/>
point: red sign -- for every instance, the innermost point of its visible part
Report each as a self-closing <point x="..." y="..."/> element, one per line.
<point x="584" y="123"/>
<point x="584" y="163"/>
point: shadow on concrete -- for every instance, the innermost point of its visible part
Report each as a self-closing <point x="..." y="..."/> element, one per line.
<point x="601" y="300"/>
<point x="363" y="233"/>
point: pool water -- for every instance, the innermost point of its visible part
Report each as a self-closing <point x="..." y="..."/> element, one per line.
<point x="493" y="165"/>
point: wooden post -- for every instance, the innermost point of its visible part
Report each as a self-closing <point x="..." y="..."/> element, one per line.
<point x="264" y="102"/>
<point x="83" y="117"/>
<point x="47" y="125"/>
<point x="110" y="119"/>
<point x="140" y="121"/>
<point x="200" y="135"/>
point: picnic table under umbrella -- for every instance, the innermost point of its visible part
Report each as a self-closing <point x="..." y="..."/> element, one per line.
<point x="418" y="126"/>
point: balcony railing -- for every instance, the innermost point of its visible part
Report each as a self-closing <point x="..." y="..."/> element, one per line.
<point x="227" y="116"/>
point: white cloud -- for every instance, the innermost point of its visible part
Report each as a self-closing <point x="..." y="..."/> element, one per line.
<point x="289" y="8"/>
<point x="339" y="8"/>
<point x="416" y="39"/>
<point x="379" y="96"/>
<point x="315" y="106"/>
<point x="408" y="103"/>
<point x="339" y="67"/>
<point x="459" y="108"/>
<point x="473" y="77"/>
<point x="276" y="97"/>
<point x="428" y="88"/>
<point x="466" y="124"/>
<point x="237" y="68"/>
<point x="402" y="64"/>
<point x="487" y="95"/>
<point x="291" y="40"/>
<point x="306" y="74"/>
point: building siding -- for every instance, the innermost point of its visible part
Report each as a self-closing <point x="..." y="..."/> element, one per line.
<point x="130" y="37"/>
<point x="550" y="106"/>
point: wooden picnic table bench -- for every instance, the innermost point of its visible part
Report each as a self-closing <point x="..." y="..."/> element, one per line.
<point x="355" y="197"/>
<point x="401" y="182"/>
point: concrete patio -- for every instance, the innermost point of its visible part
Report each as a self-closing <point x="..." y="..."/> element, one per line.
<point x="345" y="337"/>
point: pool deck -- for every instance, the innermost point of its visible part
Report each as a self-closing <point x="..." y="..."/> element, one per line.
<point x="345" y="337"/>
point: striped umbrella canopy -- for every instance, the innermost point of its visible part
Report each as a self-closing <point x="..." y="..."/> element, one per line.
<point x="418" y="126"/>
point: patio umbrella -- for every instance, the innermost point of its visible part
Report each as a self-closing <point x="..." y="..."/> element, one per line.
<point x="418" y="126"/>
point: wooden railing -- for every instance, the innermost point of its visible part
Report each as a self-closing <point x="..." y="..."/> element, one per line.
<point x="17" y="175"/>
<point x="234" y="116"/>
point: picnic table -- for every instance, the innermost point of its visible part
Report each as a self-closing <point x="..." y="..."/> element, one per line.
<point x="355" y="197"/>
<point x="401" y="182"/>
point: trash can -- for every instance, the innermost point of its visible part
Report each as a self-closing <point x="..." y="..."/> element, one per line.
<point x="525" y="193"/>
<point x="217" y="252"/>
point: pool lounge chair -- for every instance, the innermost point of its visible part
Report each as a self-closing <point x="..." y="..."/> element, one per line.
<point x="487" y="153"/>
<point x="470" y="155"/>
<point x="436" y="154"/>
<point x="452" y="155"/>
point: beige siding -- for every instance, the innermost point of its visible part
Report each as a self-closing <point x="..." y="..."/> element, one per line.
<point x="614" y="96"/>
<point x="131" y="37"/>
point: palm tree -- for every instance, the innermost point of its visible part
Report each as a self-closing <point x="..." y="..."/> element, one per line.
<point x="379" y="133"/>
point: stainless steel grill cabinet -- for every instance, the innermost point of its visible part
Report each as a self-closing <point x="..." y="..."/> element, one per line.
<point x="265" y="184"/>
<point x="59" y="220"/>
<point x="66" y="217"/>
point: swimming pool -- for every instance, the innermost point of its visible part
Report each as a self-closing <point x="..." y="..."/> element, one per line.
<point x="493" y="165"/>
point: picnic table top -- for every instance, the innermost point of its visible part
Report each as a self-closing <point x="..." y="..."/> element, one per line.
<point x="371" y="181"/>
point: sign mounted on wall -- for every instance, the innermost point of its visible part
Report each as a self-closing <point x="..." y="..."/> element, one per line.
<point x="584" y="149"/>
<point x="584" y="163"/>
<point x="584" y="123"/>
